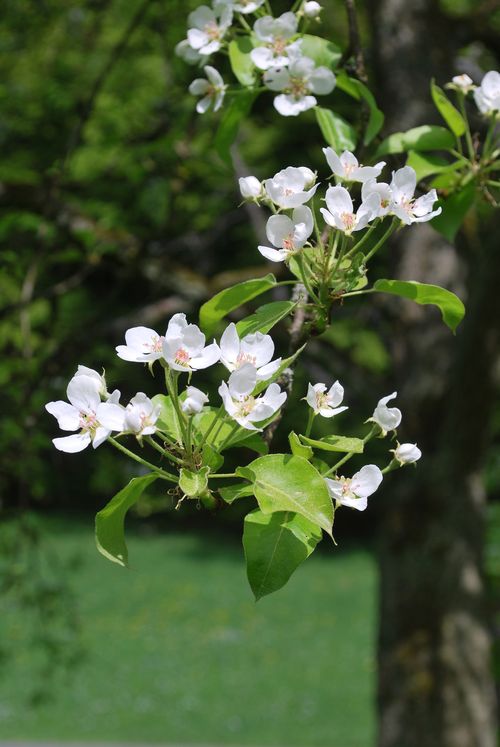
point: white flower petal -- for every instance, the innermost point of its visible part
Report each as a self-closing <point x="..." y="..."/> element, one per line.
<point x="72" y="444"/>
<point x="68" y="417"/>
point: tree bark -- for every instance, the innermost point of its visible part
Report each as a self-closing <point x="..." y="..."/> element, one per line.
<point x="435" y="682"/>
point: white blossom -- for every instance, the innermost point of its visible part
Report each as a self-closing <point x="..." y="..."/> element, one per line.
<point x="309" y="176"/>
<point x="194" y="401"/>
<point x="138" y="417"/>
<point x="81" y="414"/>
<point x="287" y="234"/>
<point x="242" y="406"/>
<point x="141" y="415"/>
<point x="243" y="6"/>
<point x="289" y="187"/>
<point x="98" y="378"/>
<point x="384" y="192"/>
<point x="212" y="89"/>
<point x="184" y="346"/>
<point x="250" y="187"/>
<point x="273" y="35"/>
<point x="407" y="453"/>
<point x="487" y="95"/>
<point x="325" y="403"/>
<point x="388" y="418"/>
<point x="207" y="28"/>
<point x="298" y="82"/>
<point x="143" y="345"/>
<point x="311" y="9"/>
<point x="185" y="51"/>
<point x="340" y="213"/>
<point x="461" y="82"/>
<point x="256" y="349"/>
<point x="354" y="491"/>
<point x="347" y="167"/>
<point x="404" y="206"/>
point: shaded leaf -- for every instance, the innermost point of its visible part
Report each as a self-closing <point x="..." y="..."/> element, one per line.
<point x="426" y="137"/>
<point x="227" y="131"/>
<point x="322" y="51"/>
<point x="275" y="545"/>
<point x="298" y="448"/>
<point x="451" y="307"/>
<point x="454" y="210"/>
<point x="232" y="298"/>
<point x="265" y="317"/>
<point x="450" y="114"/>
<point x="426" y="164"/>
<point x="168" y="420"/>
<point x="336" y="443"/>
<point x="109" y="522"/>
<point x="336" y="131"/>
<point x="241" y="62"/>
<point x="232" y="493"/>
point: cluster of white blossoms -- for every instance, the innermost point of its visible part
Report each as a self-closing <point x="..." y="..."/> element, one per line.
<point x="354" y="491"/>
<point x="292" y="187"/>
<point x="276" y="55"/>
<point x="486" y="95"/>
<point x="95" y="413"/>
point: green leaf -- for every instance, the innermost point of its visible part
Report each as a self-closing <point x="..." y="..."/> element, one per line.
<point x="194" y="484"/>
<point x="451" y="307"/>
<point x="231" y="298"/>
<point x="358" y="90"/>
<point x="212" y="458"/>
<point x="337" y="132"/>
<point x="297" y="448"/>
<point x="322" y="51"/>
<point x="275" y="545"/>
<point x="449" y="113"/>
<point x="229" y="125"/>
<point x="232" y="493"/>
<point x="426" y="164"/>
<point x="426" y="137"/>
<point x="289" y="483"/>
<point x="168" y="420"/>
<point x="336" y="443"/>
<point x="454" y="210"/>
<point x="265" y="317"/>
<point x="109" y="522"/>
<point x="241" y="62"/>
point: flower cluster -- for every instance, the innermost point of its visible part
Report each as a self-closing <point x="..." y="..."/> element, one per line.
<point x="291" y="188"/>
<point x="276" y="54"/>
<point x="96" y="414"/>
<point x="354" y="491"/>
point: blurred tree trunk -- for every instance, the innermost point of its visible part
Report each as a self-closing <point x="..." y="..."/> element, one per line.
<point x="435" y="683"/>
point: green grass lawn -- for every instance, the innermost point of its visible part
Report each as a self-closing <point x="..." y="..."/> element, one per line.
<point x="177" y="651"/>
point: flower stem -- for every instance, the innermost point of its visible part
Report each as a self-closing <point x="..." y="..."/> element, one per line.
<point x="468" y="136"/>
<point x="160" y="472"/>
<point x="223" y="476"/>
<point x="310" y="421"/>
<point x="163" y="452"/>
<point x="382" y="240"/>
<point x="172" y="390"/>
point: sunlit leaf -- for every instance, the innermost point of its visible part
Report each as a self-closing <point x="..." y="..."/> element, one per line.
<point x="451" y="307"/>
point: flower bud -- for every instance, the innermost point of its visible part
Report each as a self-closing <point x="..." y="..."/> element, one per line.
<point x="194" y="401"/>
<point x="250" y="187"/>
<point x="407" y="453"/>
<point x="462" y="83"/>
<point x="312" y="9"/>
